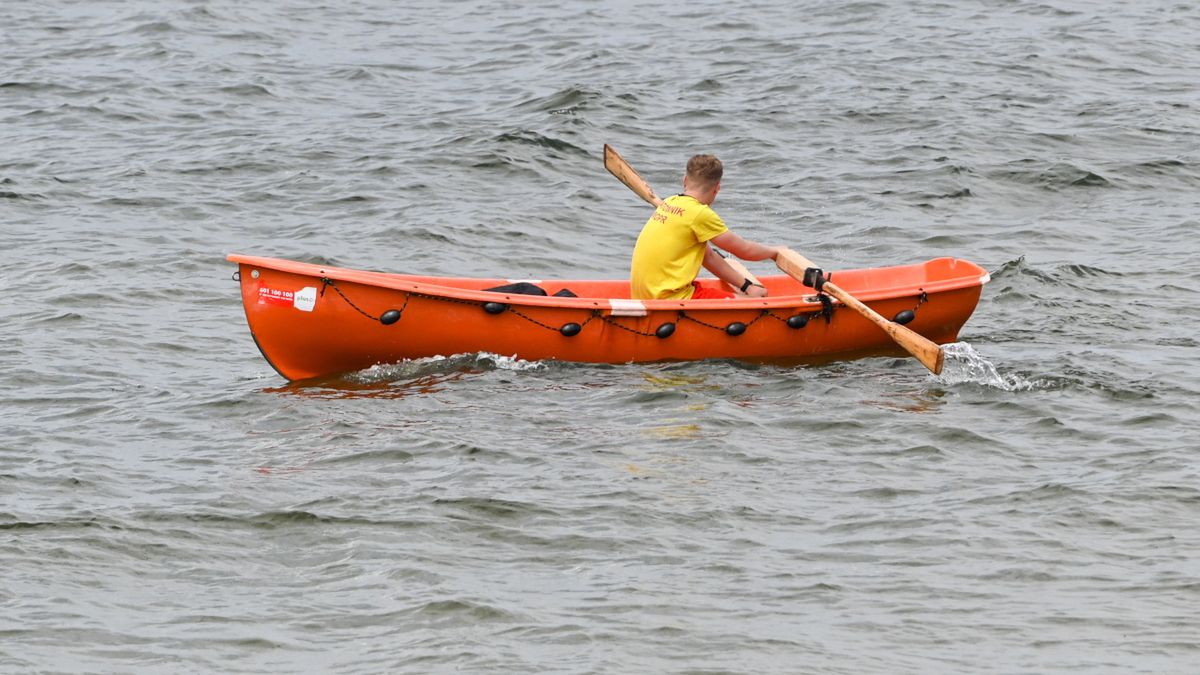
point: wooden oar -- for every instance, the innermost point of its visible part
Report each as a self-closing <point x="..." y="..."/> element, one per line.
<point x="924" y="350"/>
<point x="618" y="167"/>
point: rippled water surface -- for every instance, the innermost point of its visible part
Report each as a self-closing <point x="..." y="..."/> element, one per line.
<point x="169" y="504"/>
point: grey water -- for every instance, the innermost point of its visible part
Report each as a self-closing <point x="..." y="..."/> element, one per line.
<point x="169" y="504"/>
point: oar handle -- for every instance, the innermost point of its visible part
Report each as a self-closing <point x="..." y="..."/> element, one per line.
<point x="797" y="266"/>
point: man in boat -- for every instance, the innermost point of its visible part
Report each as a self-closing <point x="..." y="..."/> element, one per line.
<point x="675" y="242"/>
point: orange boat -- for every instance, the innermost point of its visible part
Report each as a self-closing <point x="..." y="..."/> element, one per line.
<point x="316" y="320"/>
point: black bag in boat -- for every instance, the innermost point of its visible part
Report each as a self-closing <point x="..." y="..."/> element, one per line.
<point x="526" y="288"/>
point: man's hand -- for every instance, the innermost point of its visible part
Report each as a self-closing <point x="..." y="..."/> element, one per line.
<point x="756" y="291"/>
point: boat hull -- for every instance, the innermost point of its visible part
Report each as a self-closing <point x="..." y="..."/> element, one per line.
<point x="313" y="321"/>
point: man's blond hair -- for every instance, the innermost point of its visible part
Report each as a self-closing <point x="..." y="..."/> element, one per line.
<point x="704" y="170"/>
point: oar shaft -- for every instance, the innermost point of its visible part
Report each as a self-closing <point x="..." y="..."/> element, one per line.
<point x="923" y="349"/>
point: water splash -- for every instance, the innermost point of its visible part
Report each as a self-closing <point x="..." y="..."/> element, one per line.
<point x="441" y="365"/>
<point x="500" y="362"/>
<point x="964" y="365"/>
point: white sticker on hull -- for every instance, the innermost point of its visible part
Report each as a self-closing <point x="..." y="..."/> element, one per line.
<point x="305" y="299"/>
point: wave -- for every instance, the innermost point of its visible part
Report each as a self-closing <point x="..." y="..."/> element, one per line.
<point x="528" y="137"/>
<point x="247" y="90"/>
<point x="1054" y="178"/>
<point x="1067" y="275"/>
<point x="569" y="99"/>
<point x="29" y="196"/>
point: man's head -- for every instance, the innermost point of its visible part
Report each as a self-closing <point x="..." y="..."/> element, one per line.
<point x="703" y="178"/>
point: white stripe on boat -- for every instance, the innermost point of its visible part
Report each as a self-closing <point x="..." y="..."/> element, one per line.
<point x="622" y="307"/>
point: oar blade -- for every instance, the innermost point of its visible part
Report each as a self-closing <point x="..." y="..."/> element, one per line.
<point x="922" y="349"/>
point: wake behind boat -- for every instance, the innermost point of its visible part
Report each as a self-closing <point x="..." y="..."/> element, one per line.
<point x="316" y="320"/>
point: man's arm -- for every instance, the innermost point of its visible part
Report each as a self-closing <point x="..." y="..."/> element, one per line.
<point x="713" y="262"/>
<point x="720" y="268"/>
<point x="743" y="248"/>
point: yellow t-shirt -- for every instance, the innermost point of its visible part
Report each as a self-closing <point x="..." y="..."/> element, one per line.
<point x="670" y="249"/>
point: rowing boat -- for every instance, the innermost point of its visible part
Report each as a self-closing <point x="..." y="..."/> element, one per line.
<point x="317" y="320"/>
